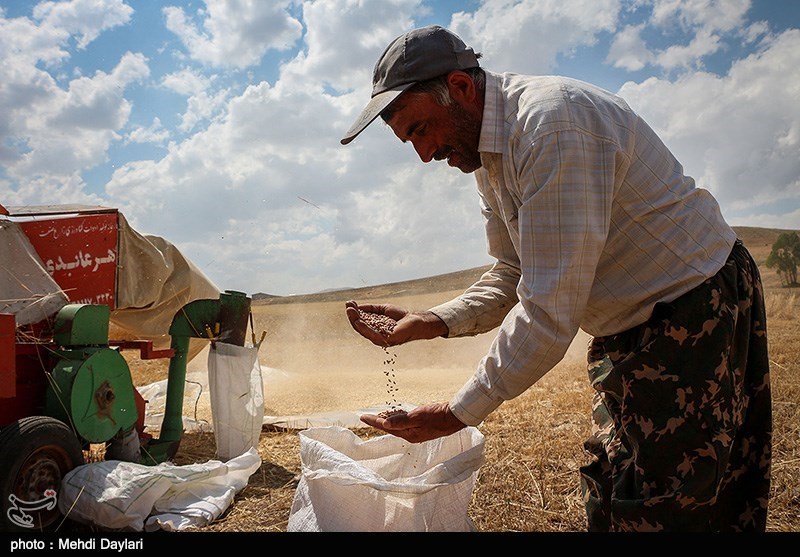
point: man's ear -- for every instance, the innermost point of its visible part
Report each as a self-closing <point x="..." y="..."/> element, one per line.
<point x="461" y="87"/>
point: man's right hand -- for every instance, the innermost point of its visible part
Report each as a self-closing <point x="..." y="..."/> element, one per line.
<point x="420" y="424"/>
<point x="410" y="325"/>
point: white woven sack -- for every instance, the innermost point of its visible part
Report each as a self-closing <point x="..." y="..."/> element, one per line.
<point x="385" y="484"/>
<point x="129" y="496"/>
<point x="237" y="398"/>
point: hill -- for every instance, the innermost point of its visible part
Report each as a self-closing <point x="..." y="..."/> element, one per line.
<point x="758" y="240"/>
<point x="426" y="285"/>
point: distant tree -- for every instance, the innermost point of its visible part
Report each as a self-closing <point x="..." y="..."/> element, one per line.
<point x="785" y="257"/>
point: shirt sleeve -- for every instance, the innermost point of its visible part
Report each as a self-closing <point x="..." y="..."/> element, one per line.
<point x="565" y="182"/>
<point x="483" y="305"/>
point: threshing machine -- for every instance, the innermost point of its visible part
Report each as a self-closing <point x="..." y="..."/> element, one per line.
<point x="64" y="384"/>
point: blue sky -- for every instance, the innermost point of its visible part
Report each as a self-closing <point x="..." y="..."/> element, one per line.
<point x="216" y="124"/>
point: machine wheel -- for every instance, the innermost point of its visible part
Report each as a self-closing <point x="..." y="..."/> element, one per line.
<point x="35" y="454"/>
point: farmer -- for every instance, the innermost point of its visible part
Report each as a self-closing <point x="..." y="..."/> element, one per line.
<point x="592" y="225"/>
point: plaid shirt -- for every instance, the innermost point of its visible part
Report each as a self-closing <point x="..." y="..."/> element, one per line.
<point x="591" y="222"/>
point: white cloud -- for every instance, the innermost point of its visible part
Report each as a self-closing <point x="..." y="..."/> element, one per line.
<point x="372" y="220"/>
<point x="343" y="40"/>
<point x="23" y="43"/>
<point x="255" y="187"/>
<point x="40" y="190"/>
<point x="374" y="213"/>
<point x="234" y="33"/>
<point x="187" y="82"/>
<point x="688" y="56"/>
<point x="628" y="50"/>
<point x="527" y="37"/>
<point x="83" y="19"/>
<point x="54" y="132"/>
<point x="784" y="221"/>
<point x="203" y="104"/>
<point x="737" y="134"/>
<point x="202" y="107"/>
<point x="713" y="15"/>
<point x="703" y="22"/>
<point x="66" y="131"/>
<point x="755" y="31"/>
<point x="155" y="134"/>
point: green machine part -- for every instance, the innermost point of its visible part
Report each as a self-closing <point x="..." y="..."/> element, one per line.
<point x="91" y="386"/>
<point x="223" y="320"/>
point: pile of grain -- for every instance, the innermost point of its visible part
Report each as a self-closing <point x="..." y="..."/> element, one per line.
<point x="380" y="323"/>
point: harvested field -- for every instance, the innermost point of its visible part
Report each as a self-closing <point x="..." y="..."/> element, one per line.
<point x="314" y="362"/>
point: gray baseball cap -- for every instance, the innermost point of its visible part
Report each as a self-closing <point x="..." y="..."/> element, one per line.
<point x="415" y="56"/>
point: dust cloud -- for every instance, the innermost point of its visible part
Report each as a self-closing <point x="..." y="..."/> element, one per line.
<point x="313" y="362"/>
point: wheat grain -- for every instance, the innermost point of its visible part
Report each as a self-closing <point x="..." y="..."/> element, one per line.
<point x="378" y="322"/>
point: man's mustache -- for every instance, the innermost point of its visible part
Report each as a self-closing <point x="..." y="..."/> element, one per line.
<point x="443" y="153"/>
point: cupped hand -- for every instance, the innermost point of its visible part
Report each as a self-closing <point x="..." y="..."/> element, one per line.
<point x="409" y="325"/>
<point x="365" y="330"/>
<point x="420" y="424"/>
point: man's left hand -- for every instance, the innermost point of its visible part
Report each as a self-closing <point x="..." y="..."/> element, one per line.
<point x="421" y="424"/>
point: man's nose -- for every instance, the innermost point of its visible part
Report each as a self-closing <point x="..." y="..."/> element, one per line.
<point x="425" y="150"/>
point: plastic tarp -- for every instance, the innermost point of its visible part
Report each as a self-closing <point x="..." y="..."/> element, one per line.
<point x="133" y="497"/>
<point x="154" y="281"/>
<point x="26" y="289"/>
<point x="341" y="418"/>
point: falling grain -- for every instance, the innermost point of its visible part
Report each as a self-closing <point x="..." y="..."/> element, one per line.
<point x="385" y="325"/>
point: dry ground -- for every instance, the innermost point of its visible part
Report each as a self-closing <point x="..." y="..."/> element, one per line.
<point x="314" y="362"/>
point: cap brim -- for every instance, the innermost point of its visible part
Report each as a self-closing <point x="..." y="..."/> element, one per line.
<point x="372" y="111"/>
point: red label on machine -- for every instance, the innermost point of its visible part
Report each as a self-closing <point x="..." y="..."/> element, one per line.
<point x="80" y="253"/>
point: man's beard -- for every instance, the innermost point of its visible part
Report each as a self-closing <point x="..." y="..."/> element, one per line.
<point x="464" y="139"/>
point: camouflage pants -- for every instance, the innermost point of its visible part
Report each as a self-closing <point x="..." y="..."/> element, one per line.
<point x="682" y="413"/>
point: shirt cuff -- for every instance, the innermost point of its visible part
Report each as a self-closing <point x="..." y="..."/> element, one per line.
<point x="471" y="405"/>
<point x="452" y="313"/>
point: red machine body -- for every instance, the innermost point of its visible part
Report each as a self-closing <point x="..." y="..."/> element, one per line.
<point x="79" y="247"/>
<point x="63" y="384"/>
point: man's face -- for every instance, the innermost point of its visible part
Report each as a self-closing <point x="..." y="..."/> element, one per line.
<point x="438" y="132"/>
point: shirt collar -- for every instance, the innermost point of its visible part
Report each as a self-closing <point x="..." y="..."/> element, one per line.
<point x="491" y="138"/>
